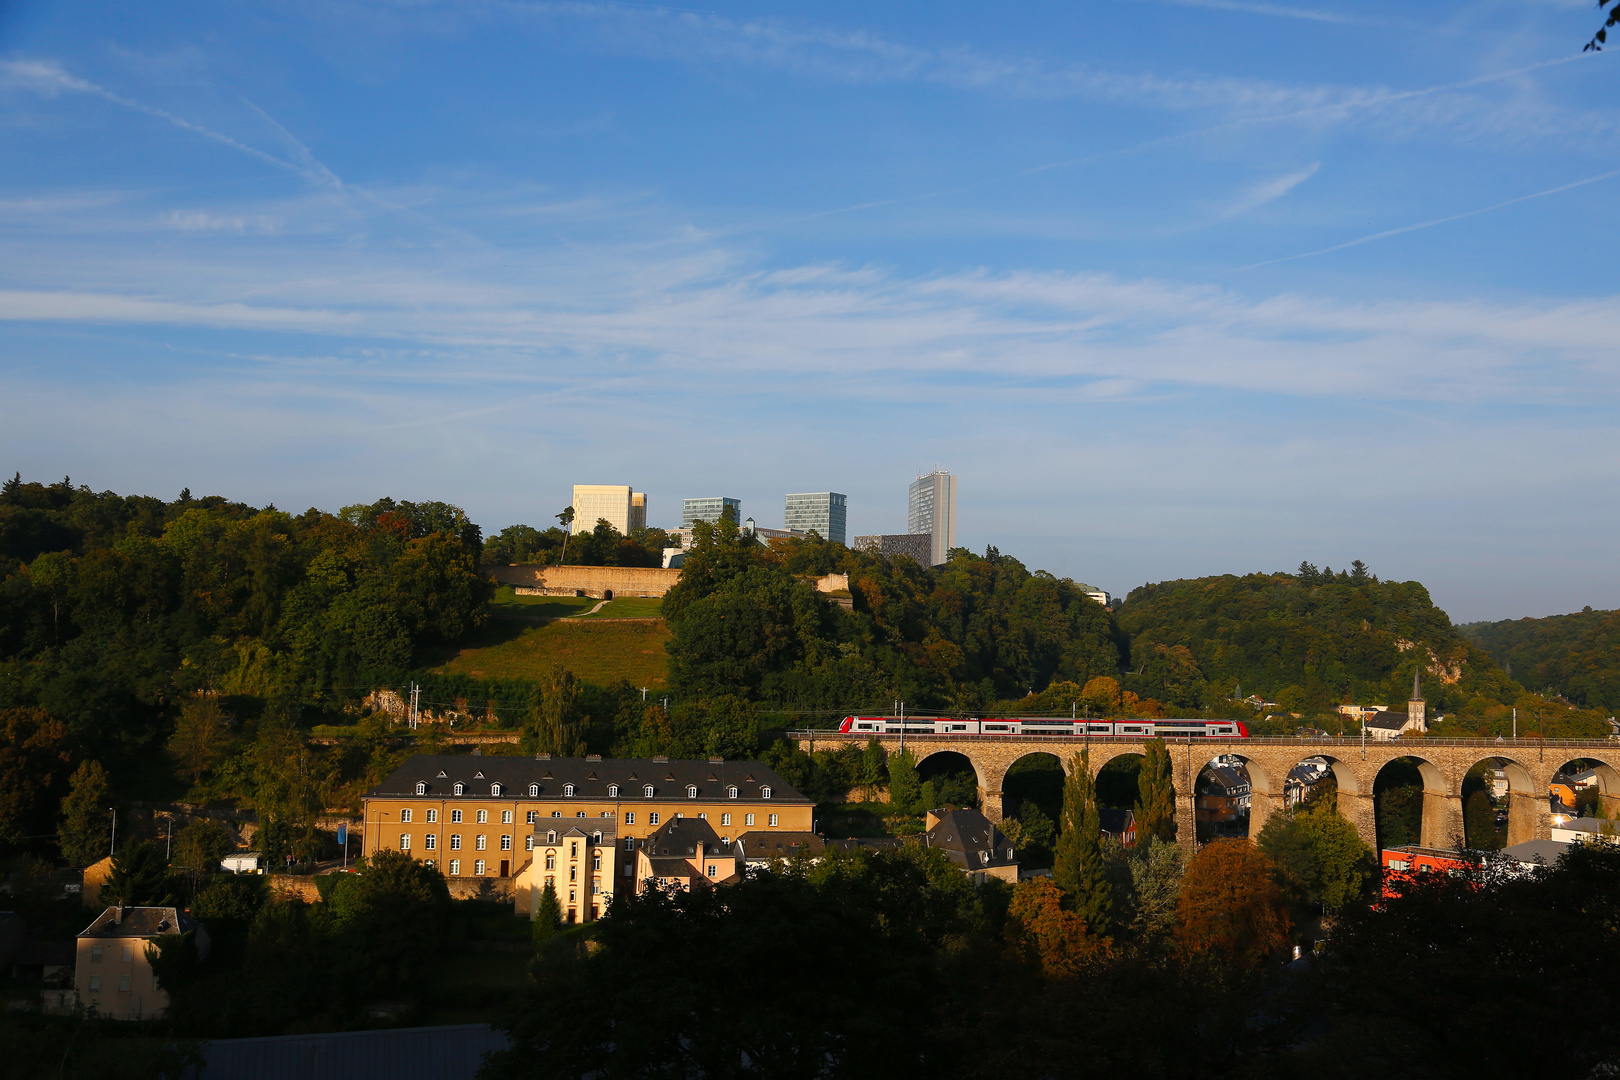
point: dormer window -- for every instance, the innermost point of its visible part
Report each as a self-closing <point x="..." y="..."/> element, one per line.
<point x="551" y="837"/>
<point x="421" y="788"/>
<point x="534" y="790"/>
<point x="568" y="790"/>
<point x="596" y="838"/>
<point x="613" y="791"/>
<point x="647" y="791"/>
<point x="495" y="789"/>
<point x="765" y="792"/>
<point x="984" y="857"/>
<point x="691" y="791"/>
<point x="461" y="789"/>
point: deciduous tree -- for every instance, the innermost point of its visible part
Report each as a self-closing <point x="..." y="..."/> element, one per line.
<point x="85" y="834"/>
<point x="1058" y="939"/>
<point x="1230" y="905"/>
<point x="198" y="742"/>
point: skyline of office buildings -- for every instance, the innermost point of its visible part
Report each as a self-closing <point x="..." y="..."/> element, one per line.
<point x="618" y="504"/>
<point x="932" y="510"/>
<point x="709" y="510"/>
<point x="826" y="512"/>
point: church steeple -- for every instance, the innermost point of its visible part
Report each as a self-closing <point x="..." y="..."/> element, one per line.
<point x="1417" y="715"/>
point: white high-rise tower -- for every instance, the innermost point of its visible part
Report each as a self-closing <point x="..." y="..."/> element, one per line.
<point x="933" y="511"/>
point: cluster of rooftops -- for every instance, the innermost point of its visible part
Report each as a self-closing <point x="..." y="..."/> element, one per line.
<point x="591" y="777"/>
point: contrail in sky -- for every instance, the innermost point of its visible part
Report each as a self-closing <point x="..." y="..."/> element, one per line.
<point x="1437" y="221"/>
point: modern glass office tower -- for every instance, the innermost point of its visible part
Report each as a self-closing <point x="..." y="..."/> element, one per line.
<point x="710" y="510"/>
<point x="624" y="508"/>
<point x="933" y="511"/>
<point x="823" y="511"/>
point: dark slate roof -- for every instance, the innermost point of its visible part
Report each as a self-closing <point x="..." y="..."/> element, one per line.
<point x="1546" y="852"/>
<point x="964" y="835"/>
<point x="1222" y="777"/>
<point x="590" y="778"/>
<point x="1391" y="720"/>
<point x="870" y="843"/>
<point x="434" y="1053"/>
<point x="566" y="827"/>
<point x="140" y="922"/>
<point x="777" y="845"/>
<point x="683" y="837"/>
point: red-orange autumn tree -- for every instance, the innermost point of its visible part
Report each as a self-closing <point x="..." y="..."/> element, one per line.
<point x="1058" y="939"/>
<point x="1231" y="905"/>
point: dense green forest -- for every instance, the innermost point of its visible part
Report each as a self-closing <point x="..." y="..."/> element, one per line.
<point x="1307" y="640"/>
<point x="1574" y="656"/>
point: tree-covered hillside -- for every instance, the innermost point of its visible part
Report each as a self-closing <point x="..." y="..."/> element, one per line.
<point x="746" y="621"/>
<point x="1575" y="656"/>
<point x="1307" y="640"/>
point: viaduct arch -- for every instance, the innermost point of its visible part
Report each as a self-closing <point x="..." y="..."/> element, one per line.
<point x="1529" y="765"/>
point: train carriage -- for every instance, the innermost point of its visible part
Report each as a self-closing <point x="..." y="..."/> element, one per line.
<point x="1117" y="728"/>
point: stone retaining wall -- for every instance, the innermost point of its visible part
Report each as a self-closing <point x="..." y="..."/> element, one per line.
<point x="600" y="582"/>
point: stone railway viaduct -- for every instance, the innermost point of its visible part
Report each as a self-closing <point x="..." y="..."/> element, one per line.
<point x="1529" y="765"/>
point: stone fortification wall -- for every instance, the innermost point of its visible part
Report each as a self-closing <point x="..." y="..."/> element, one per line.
<point x="597" y="581"/>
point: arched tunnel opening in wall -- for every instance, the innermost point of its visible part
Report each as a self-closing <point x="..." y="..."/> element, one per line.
<point x="1032" y="805"/>
<point x="1583" y="790"/>
<point x="1498" y="804"/>
<point x="1413" y="805"/>
<point x="1227" y="793"/>
<point x="949" y="779"/>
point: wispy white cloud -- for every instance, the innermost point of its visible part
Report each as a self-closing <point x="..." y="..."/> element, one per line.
<point x="1276" y="10"/>
<point x="203" y="221"/>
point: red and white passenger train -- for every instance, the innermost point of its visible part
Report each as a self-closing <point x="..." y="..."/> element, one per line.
<point x="1041" y="725"/>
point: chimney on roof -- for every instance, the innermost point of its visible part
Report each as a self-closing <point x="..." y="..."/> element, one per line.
<point x="542" y="757"/>
<point x="593" y="757"/>
<point x="716" y="760"/>
<point x="661" y="757"/>
<point x="118" y="915"/>
<point x="478" y="751"/>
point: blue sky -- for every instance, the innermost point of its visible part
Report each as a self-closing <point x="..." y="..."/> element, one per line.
<point x="1175" y="288"/>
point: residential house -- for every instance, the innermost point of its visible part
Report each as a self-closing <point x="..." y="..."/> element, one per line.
<point x="1118" y="824"/>
<point x="113" y="975"/>
<point x="973" y="842"/>
<point x="1221" y="794"/>
<point x="581" y="860"/>
<point x="1413" y="859"/>
<point x="686" y="852"/>
<point x="759" y="849"/>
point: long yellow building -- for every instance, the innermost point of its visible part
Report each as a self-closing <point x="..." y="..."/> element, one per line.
<point x="475" y="816"/>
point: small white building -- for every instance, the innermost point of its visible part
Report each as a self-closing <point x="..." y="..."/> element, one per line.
<point x="243" y="862"/>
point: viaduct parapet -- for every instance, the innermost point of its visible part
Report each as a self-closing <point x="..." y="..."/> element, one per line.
<point x="1529" y="765"/>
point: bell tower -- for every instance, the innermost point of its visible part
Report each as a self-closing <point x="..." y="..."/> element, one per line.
<point x="1416" y="712"/>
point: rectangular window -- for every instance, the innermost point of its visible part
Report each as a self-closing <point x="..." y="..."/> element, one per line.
<point x="478" y="868"/>
<point x="652" y="818"/>
<point x="528" y="843"/>
<point x="551" y="860"/>
<point x="506" y="843"/>
<point x="455" y="842"/>
<point x="532" y="817"/>
<point x="404" y="841"/>
<point x="703" y="817"/>
<point x="506" y="817"/>
<point x="556" y="813"/>
<point x="596" y="861"/>
<point x="129" y="953"/>
<point x="480" y="843"/>
<point x="123" y="984"/>
<point x="455" y="817"/>
<point x="483" y="817"/>
<point x="629" y="817"/>
<point x="455" y="866"/>
<point x="95" y="954"/>
<point x="433" y="815"/>
<point x="748" y="819"/>
<point x="772" y="821"/>
<point x="629" y="843"/>
<point x="713" y="870"/>
<point x="430" y="863"/>
<point x="95" y="982"/>
<point x="725" y="819"/>
<point x="430" y="841"/>
<point x="680" y="813"/>
<point x="405" y="815"/>
<point x="596" y="888"/>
